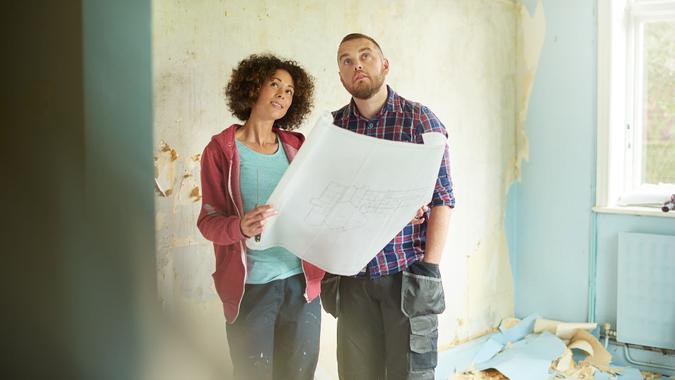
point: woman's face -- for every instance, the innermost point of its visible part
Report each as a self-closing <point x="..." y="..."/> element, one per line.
<point x="276" y="96"/>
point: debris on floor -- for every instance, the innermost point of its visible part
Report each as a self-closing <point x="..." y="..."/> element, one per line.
<point x="653" y="376"/>
<point x="543" y="349"/>
<point x="488" y="374"/>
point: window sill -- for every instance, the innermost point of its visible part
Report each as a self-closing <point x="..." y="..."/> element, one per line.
<point x="640" y="211"/>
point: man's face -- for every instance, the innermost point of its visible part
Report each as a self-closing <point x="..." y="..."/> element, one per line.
<point x="362" y="67"/>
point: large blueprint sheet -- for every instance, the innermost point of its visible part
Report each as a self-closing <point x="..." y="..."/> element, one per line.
<point x="346" y="195"/>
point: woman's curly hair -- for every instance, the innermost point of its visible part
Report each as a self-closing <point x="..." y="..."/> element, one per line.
<point x="248" y="78"/>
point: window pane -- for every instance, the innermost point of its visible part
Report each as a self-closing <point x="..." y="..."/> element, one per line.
<point x="658" y="144"/>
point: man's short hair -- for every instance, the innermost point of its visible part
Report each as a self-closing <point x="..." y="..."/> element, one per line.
<point x="355" y="36"/>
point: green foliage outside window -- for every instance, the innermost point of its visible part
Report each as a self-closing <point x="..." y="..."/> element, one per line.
<point x="659" y="119"/>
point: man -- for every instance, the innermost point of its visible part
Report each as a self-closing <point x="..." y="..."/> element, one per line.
<point x="387" y="314"/>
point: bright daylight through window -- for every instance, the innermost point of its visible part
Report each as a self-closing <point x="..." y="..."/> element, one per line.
<point x="658" y="117"/>
<point x="636" y="103"/>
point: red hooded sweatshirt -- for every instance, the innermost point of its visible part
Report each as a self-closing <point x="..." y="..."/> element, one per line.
<point x="221" y="212"/>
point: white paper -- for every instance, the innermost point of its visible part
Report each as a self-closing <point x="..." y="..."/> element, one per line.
<point x="346" y="195"/>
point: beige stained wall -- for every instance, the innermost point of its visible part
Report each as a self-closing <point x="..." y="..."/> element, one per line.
<point x="470" y="61"/>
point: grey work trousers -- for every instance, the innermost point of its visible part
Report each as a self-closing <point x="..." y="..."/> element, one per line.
<point x="276" y="335"/>
<point x="387" y="327"/>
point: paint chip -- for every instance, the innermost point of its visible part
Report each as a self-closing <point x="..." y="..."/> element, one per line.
<point x="165" y="168"/>
<point x="164" y="147"/>
<point x="158" y="189"/>
<point x="195" y="194"/>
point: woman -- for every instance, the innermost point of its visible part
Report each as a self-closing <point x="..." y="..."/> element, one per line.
<point x="269" y="296"/>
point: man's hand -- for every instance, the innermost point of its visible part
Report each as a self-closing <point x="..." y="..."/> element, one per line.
<point x="419" y="216"/>
<point x="253" y="221"/>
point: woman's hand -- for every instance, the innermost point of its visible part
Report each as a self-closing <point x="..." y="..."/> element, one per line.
<point x="253" y="221"/>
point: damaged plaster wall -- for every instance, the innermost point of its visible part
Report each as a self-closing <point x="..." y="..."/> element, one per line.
<point x="470" y="61"/>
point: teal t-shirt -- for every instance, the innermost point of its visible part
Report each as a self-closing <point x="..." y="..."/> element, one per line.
<point x="259" y="175"/>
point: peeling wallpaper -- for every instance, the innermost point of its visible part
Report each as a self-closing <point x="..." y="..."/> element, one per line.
<point x="471" y="61"/>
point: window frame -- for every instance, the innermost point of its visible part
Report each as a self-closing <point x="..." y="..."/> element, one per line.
<point x="620" y="95"/>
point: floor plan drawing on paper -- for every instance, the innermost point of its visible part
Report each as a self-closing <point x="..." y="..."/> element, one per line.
<point x="346" y="207"/>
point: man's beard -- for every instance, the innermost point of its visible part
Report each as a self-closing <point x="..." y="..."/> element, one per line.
<point x="366" y="90"/>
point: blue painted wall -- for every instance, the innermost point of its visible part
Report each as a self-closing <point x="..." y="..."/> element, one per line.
<point x="550" y="231"/>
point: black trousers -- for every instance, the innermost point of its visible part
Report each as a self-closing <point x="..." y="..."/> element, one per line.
<point x="387" y="327"/>
<point x="276" y="335"/>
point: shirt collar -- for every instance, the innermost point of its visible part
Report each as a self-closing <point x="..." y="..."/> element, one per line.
<point x="393" y="104"/>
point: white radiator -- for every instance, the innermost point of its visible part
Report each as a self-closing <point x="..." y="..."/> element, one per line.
<point x="646" y="290"/>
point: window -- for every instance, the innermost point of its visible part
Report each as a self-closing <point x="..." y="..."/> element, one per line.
<point x="636" y="102"/>
<point x="657" y="114"/>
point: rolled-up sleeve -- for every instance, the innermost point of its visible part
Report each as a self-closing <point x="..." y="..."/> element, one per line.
<point x="443" y="193"/>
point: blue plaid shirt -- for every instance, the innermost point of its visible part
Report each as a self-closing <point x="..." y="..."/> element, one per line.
<point x="401" y="120"/>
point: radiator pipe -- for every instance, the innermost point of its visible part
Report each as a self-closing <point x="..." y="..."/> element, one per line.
<point x="608" y="332"/>
<point x="630" y="360"/>
<point x="592" y="267"/>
